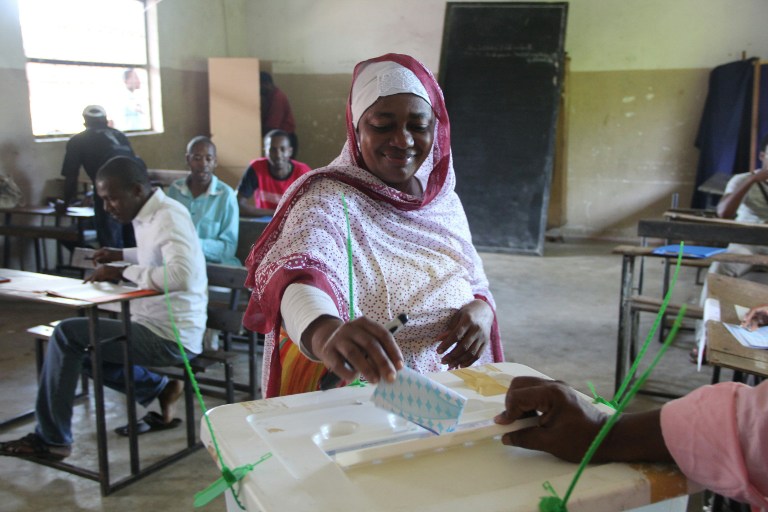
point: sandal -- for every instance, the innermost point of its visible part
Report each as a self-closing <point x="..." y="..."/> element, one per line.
<point x="150" y="423"/>
<point x="693" y="355"/>
<point x="32" y="447"/>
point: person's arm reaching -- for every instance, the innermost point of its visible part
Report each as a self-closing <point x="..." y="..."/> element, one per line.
<point x="717" y="435"/>
<point x="568" y="424"/>
<point x="368" y="347"/>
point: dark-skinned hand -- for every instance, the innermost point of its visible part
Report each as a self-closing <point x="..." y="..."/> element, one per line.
<point x="469" y="333"/>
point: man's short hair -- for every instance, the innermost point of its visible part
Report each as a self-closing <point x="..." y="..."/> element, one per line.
<point x="200" y="139"/>
<point x="124" y="171"/>
<point x="271" y="134"/>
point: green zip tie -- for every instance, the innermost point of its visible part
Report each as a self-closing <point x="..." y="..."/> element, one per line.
<point x="553" y="503"/>
<point x="349" y="260"/>
<point x="357" y="382"/>
<point x="651" y="334"/>
<point x="229" y="477"/>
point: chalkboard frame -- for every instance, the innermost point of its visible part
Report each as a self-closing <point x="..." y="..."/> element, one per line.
<point x="504" y="188"/>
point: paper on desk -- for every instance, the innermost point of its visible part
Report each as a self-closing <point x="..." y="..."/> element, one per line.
<point x="82" y="257"/>
<point x="750" y="339"/>
<point x="741" y="311"/>
<point x="92" y="292"/>
<point x="421" y="400"/>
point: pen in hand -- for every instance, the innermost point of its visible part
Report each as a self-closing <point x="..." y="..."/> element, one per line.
<point x="331" y="380"/>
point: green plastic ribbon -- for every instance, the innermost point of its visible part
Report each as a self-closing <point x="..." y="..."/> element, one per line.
<point x="553" y="503"/>
<point x="228" y="477"/>
<point x="351" y="277"/>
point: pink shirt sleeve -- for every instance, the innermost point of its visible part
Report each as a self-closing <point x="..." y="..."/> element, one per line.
<point x="718" y="436"/>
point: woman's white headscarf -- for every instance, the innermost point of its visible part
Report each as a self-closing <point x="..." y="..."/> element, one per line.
<point x="380" y="79"/>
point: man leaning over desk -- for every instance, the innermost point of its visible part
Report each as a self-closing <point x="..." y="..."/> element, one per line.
<point x="166" y="245"/>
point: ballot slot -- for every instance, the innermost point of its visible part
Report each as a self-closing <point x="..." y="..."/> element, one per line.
<point x="351" y="432"/>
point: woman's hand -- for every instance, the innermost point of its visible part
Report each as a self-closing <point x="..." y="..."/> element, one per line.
<point x="469" y="332"/>
<point x="756" y="317"/>
<point x="361" y="346"/>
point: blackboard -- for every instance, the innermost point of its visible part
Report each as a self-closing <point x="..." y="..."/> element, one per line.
<point x="501" y="70"/>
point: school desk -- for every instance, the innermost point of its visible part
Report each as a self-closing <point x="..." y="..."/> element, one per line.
<point x="72" y="293"/>
<point x="471" y="471"/>
<point x="722" y="348"/>
<point x="73" y="233"/>
<point x="691" y="229"/>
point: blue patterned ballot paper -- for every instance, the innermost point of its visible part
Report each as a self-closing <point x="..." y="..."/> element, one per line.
<point x="420" y="400"/>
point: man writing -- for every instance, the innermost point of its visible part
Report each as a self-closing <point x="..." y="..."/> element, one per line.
<point x="167" y="250"/>
<point x="266" y="179"/>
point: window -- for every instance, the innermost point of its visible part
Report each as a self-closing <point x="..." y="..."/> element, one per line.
<point x="86" y="52"/>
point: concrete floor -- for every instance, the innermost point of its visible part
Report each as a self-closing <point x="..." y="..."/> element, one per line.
<point x="557" y="313"/>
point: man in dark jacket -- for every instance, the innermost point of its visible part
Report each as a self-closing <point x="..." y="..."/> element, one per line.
<point x="90" y="149"/>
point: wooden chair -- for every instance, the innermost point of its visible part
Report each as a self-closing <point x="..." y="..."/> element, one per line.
<point x="227" y="318"/>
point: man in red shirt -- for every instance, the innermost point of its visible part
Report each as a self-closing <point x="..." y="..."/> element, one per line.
<point x="266" y="179"/>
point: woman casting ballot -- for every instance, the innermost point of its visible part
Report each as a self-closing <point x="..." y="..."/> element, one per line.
<point x="410" y="243"/>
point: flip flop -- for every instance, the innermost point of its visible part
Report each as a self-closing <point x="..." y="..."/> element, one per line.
<point x="149" y="423"/>
<point x="155" y="421"/>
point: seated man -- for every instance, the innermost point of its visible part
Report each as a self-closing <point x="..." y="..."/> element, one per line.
<point x="211" y="203"/>
<point x="266" y="179"/>
<point x="167" y="249"/>
<point x="746" y="200"/>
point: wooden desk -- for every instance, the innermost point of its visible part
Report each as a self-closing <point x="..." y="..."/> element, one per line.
<point x="722" y="348"/>
<point x="631" y="293"/>
<point x="482" y="475"/>
<point x="33" y="286"/>
<point x="705" y="231"/>
<point x="73" y="233"/>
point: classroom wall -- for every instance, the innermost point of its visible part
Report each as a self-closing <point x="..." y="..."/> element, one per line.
<point x="636" y="88"/>
<point x="637" y="83"/>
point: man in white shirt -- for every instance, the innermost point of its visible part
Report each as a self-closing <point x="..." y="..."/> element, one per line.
<point x="745" y="200"/>
<point x="167" y="256"/>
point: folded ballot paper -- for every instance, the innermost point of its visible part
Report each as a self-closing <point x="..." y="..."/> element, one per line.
<point x="421" y="400"/>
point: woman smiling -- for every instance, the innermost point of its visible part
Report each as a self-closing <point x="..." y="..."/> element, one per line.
<point x="410" y="244"/>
